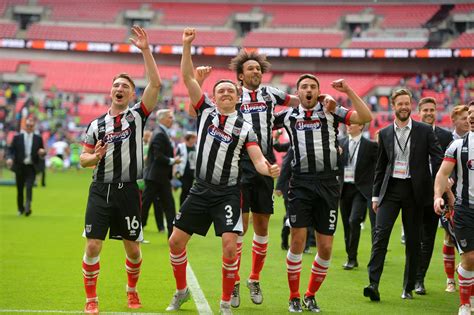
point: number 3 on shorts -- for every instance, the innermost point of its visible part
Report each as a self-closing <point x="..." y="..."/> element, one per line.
<point x="133" y="225"/>
<point x="228" y="209"/>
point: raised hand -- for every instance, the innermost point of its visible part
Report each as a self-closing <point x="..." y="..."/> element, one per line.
<point x="329" y="103"/>
<point x="341" y="86"/>
<point x="188" y="35"/>
<point x="140" y="40"/>
<point x="202" y="73"/>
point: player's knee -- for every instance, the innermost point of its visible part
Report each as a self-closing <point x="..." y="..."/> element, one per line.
<point x="93" y="247"/>
<point x="176" y="243"/>
<point x="229" y="251"/>
<point x="468" y="260"/>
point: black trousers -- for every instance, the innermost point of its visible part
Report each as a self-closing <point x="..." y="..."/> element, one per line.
<point x="161" y="190"/>
<point x="399" y="194"/>
<point x="186" y="184"/>
<point x="353" y="207"/>
<point x="428" y="237"/>
<point x="25" y="177"/>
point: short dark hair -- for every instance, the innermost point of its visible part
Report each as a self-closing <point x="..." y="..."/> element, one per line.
<point x="237" y="63"/>
<point x="225" y="81"/>
<point x="306" y="76"/>
<point x="125" y="76"/>
<point x="398" y="92"/>
<point x="426" y="100"/>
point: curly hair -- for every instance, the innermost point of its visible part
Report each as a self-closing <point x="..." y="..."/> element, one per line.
<point x="237" y="63"/>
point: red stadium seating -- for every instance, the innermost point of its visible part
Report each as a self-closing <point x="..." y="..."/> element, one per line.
<point x="463" y="8"/>
<point x="8" y="65"/>
<point x="8" y="29"/>
<point x="77" y="33"/>
<point x="387" y="44"/>
<point x="293" y="40"/>
<point x="361" y="83"/>
<point x="88" y="10"/>
<point x="405" y="16"/>
<point x="293" y="15"/>
<point x="4" y="4"/>
<point x="466" y="40"/>
<point x="191" y="14"/>
<point x="203" y="38"/>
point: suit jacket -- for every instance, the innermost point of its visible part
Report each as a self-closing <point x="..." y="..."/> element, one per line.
<point x="17" y="153"/>
<point x="158" y="166"/>
<point x="423" y="145"/>
<point x="444" y="137"/>
<point x="364" y="165"/>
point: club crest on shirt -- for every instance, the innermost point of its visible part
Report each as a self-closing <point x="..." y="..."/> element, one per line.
<point x="470" y="165"/>
<point x="129" y="117"/>
<point x="253" y="107"/>
<point x="219" y="134"/>
<point x="117" y="136"/>
<point x="303" y="125"/>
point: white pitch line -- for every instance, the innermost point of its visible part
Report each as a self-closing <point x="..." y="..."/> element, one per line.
<point x="202" y="305"/>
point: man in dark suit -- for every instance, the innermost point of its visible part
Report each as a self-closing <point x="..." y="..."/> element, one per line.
<point x="24" y="158"/>
<point x="359" y="156"/>
<point x="427" y="111"/>
<point x="159" y="171"/>
<point x="402" y="180"/>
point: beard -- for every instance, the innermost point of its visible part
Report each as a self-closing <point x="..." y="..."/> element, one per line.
<point x="403" y="116"/>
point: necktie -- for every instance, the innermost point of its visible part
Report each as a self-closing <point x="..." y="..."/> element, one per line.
<point x="402" y="140"/>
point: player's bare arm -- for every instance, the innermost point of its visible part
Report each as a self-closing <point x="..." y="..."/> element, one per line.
<point x="187" y="69"/>
<point x="90" y="157"/>
<point x="260" y="162"/>
<point x="361" y="114"/>
<point x="150" y="95"/>
<point x="441" y="182"/>
<point x="202" y="73"/>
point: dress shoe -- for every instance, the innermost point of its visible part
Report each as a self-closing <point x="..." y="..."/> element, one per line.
<point x="420" y="288"/>
<point x="407" y="295"/>
<point x="28" y="212"/>
<point x="372" y="291"/>
<point x="350" y="264"/>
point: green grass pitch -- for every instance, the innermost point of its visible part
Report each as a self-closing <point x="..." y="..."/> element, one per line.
<point x="40" y="264"/>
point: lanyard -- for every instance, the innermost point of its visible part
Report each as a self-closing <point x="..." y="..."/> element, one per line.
<point x="406" y="143"/>
<point x="353" y="153"/>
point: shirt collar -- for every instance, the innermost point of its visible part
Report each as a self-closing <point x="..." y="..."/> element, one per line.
<point x="409" y="125"/>
<point x="244" y="89"/>
<point x="167" y="130"/>
<point x="356" y="138"/>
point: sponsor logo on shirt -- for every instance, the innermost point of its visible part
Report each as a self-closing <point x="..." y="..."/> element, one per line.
<point x="219" y="134"/>
<point x="303" y="125"/>
<point x="470" y="165"/>
<point x="117" y="136"/>
<point x="254" y="107"/>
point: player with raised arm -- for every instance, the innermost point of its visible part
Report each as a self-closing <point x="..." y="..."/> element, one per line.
<point x="215" y="196"/>
<point x="113" y="145"/>
<point x="314" y="188"/>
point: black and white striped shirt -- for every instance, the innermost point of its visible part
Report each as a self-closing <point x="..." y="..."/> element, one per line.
<point x="220" y="142"/>
<point x="123" y="134"/>
<point x="313" y="136"/>
<point x="461" y="152"/>
<point x="257" y="107"/>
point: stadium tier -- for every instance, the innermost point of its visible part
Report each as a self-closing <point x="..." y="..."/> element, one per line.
<point x="405" y="16"/>
<point x="465" y="40"/>
<point x="78" y="33"/>
<point x="8" y="29"/>
<point x="286" y="39"/>
<point x="204" y="38"/>
<point x="386" y="44"/>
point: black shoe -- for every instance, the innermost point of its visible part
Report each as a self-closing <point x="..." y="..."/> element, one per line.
<point x="295" y="306"/>
<point x="407" y="295"/>
<point x="372" y="291"/>
<point x="28" y="212"/>
<point x="350" y="264"/>
<point x="310" y="303"/>
<point x="420" y="288"/>
<point x="284" y="246"/>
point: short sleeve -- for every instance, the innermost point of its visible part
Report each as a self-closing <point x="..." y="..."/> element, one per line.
<point x="279" y="121"/>
<point x="251" y="138"/>
<point x="203" y="103"/>
<point x="343" y="115"/>
<point x="141" y="110"/>
<point x="89" y="138"/>
<point x="282" y="98"/>
<point x="451" y="151"/>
